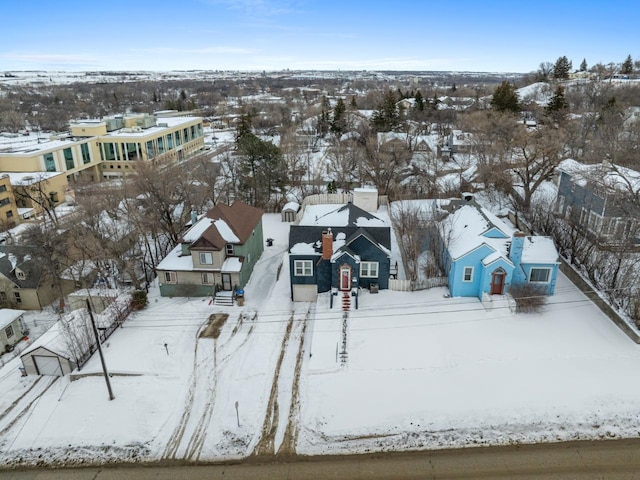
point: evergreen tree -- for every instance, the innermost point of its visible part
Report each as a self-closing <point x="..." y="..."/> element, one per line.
<point x="419" y="105"/>
<point x="244" y="125"/>
<point x="354" y="104"/>
<point x="264" y="170"/>
<point x="562" y="68"/>
<point x="583" y="65"/>
<point x="505" y="98"/>
<point x="323" y="118"/>
<point x="558" y="105"/>
<point x="338" y="123"/>
<point x="453" y="87"/>
<point x="627" y="66"/>
<point x="386" y="116"/>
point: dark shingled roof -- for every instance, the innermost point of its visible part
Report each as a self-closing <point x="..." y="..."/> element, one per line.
<point x="311" y="234"/>
<point x="31" y="268"/>
<point x="354" y="213"/>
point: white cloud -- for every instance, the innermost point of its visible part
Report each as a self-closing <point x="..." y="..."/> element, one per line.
<point x="200" y="51"/>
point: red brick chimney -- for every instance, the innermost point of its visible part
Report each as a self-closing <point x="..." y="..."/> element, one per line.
<point x="327" y="244"/>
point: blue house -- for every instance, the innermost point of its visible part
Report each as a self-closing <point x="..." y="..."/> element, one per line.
<point x="338" y="248"/>
<point x="483" y="255"/>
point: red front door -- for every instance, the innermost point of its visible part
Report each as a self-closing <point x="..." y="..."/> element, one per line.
<point x="497" y="283"/>
<point x="345" y="278"/>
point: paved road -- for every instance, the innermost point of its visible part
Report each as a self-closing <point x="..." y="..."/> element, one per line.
<point x="615" y="459"/>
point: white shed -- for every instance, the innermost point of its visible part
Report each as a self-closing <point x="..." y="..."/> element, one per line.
<point x="48" y="355"/>
<point x="289" y="211"/>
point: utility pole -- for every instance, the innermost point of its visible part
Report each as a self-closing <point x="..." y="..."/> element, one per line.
<point x="104" y="365"/>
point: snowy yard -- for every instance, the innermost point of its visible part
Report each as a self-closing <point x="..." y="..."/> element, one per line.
<point x="423" y="371"/>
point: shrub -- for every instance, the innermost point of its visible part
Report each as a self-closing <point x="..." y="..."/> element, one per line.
<point x="139" y="300"/>
<point x="529" y="298"/>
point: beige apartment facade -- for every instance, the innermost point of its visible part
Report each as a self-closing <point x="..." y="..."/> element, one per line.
<point x="106" y="148"/>
<point x="95" y="150"/>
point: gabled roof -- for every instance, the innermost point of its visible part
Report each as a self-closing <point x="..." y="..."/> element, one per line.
<point x="347" y="215"/>
<point x="224" y="224"/>
<point x="471" y="226"/>
<point x="307" y="240"/>
<point x="14" y="256"/>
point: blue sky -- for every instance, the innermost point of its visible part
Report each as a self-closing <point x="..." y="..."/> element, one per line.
<point x="497" y="36"/>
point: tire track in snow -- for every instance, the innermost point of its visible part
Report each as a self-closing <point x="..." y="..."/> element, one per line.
<point x="175" y="439"/>
<point x="266" y="444"/>
<point x="288" y="445"/>
<point x="17" y="400"/>
<point x="194" y="447"/>
<point x="21" y="408"/>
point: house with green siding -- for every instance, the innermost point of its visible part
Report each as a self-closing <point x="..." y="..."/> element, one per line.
<point x="216" y="255"/>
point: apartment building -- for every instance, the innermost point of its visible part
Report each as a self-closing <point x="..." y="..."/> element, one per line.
<point x="93" y="150"/>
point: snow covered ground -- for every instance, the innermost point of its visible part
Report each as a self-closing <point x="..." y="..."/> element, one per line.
<point x="423" y="371"/>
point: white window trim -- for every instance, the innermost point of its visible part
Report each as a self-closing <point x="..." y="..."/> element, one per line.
<point x="9" y="332"/>
<point x="300" y="267"/>
<point x="170" y="277"/>
<point x="203" y="255"/>
<point x="540" y="268"/>
<point x="368" y="269"/>
<point x="229" y="249"/>
<point x="205" y="276"/>
<point x="464" y="274"/>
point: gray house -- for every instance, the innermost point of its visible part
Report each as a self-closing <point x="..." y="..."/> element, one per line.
<point x="602" y="199"/>
<point x="338" y="248"/>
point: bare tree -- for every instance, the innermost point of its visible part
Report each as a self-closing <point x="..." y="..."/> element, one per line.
<point x="538" y="154"/>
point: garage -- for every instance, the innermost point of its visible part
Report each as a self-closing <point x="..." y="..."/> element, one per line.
<point x="305" y="293"/>
<point x="39" y="360"/>
<point x="46" y="365"/>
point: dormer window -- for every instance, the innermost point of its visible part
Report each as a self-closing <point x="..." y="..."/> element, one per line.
<point x="229" y="249"/>
<point x="20" y="274"/>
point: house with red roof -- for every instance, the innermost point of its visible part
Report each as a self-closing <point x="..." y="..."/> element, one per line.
<point x="216" y="255"/>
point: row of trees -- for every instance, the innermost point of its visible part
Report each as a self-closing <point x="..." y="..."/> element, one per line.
<point x="562" y="67"/>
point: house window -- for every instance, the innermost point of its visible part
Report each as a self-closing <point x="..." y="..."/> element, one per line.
<point x="3" y="188"/>
<point x="5" y="201"/>
<point x="17" y="297"/>
<point x="206" y="258"/>
<point x="467" y="275"/>
<point x="609" y="227"/>
<point x="539" y="275"/>
<point x="593" y="221"/>
<point x="303" y="268"/>
<point x="369" y="269"/>
<point x="207" y="278"/>
<point x="9" y="214"/>
<point x="9" y="331"/>
<point x="170" y="277"/>
<point x="20" y="274"/>
<point x="229" y="249"/>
